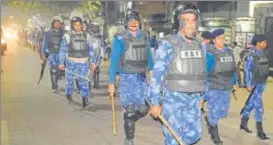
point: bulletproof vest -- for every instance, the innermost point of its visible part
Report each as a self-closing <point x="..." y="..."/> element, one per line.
<point x="135" y="58"/>
<point x="260" y="71"/>
<point x="187" y="69"/>
<point x="221" y="76"/>
<point x="78" y="47"/>
<point x="54" y="41"/>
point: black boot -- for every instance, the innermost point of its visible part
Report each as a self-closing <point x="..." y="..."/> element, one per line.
<point x="84" y="102"/>
<point x="260" y="131"/>
<point x="54" y="80"/>
<point x="243" y="125"/>
<point x="69" y="98"/>
<point x="94" y="79"/>
<point x="97" y="78"/>
<point x="129" y="124"/>
<point x="215" y="135"/>
<point x="129" y="127"/>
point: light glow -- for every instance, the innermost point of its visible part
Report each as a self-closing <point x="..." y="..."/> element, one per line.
<point x="10" y="34"/>
<point x="252" y="6"/>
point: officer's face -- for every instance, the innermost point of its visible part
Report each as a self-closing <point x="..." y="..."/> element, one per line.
<point x="77" y="26"/>
<point x="57" y="25"/>
<point x="189" y="24"/>
<point x="219" y="41"/>
<point x="262" y="45"/>
<point x="133" y="25"/>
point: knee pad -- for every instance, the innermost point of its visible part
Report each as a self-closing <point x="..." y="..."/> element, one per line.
<point x="144" y="109"/>
<point x="130" y="112"/>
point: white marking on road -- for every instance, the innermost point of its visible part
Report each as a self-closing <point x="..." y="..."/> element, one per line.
<point x="4" y="133"/>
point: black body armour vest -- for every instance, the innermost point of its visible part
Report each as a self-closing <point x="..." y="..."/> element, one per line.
<point x="78" y="47"/>
<point x="221" y="77"/>
<point x="187" y="70"/>
<point x="260" y="70"/>
<point x="54" y="41"/>
<point x="135" y="58"/>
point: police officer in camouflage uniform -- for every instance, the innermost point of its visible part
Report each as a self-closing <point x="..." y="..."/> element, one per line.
<point x="206" y="35"/>
<point x="51" y="47"/>
<point x="181" y="59"/>
<point x="221" y="80"/>
<point x="131" y="58"/>
<point x="77" y="49"/>
<point x="257" y="71"/>
<point x="101" y="46"/>
<point x="84" y="29"/>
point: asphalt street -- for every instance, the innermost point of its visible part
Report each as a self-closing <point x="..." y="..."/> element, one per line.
<point x="32" y="115"/>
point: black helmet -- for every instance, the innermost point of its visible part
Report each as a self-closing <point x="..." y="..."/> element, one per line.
<point x="74" y="20"/>
<point x="131" y="14"/>
<point x="183" y="9"/>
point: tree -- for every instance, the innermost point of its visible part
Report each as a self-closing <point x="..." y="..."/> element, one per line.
<point x="90" y="8"/>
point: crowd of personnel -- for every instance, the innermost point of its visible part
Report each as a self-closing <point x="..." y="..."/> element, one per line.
<point x="171" y="81"/>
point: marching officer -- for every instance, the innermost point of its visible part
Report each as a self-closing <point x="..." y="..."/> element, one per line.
<point x="133" y="57"/>
<point x="77" y="49"/>
<point x="221" y="80"/>
<point x="51" y="47"/>
<point x="257" y="71"/>
<point x="181" y="59"/>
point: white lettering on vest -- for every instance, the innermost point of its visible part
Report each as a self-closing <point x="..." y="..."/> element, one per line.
<point x="226" y="59"/>
<point x="190" y="54"/>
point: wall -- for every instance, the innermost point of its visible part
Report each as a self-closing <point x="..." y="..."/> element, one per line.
<point x="241" y="11"/>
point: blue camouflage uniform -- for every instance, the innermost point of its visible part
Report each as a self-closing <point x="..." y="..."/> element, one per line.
<point x="53" y="55"/>
<point x="257" y="71"/>
<point x="218" y="100"/>
<point x="132" y="84"/>
<point x="180" y="108"/>
<point x="255" y="103"/>
<point x="81" y="69"/>
<point x="129" y="83"/>
<point x="221" y="79"/>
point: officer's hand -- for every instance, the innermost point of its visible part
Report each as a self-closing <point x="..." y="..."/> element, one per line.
<point x="155" y="111"/>
<point x="235" y="87"/>
<point x="111" y="90"/>
<point x="249" y="89"/>
<point x="61" y="67"/>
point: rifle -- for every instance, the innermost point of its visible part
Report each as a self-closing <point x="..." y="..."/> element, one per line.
<point x="252" y="91"/>
<point x="42" y="70"/>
